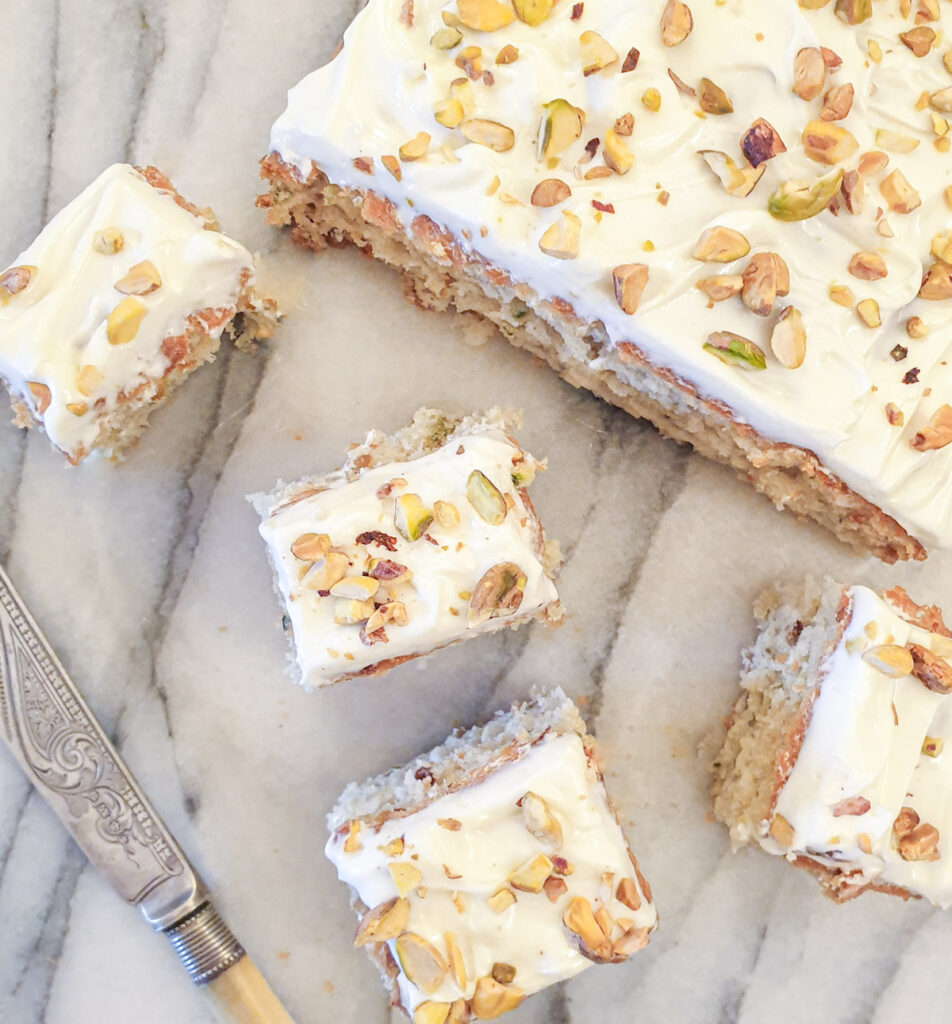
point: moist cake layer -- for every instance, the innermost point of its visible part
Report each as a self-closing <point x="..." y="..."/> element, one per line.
<point x="863" y="393"/>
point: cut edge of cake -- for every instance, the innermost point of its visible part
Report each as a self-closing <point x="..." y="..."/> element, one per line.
<point x="440" y="271"/>
<point x="800" y="626"/>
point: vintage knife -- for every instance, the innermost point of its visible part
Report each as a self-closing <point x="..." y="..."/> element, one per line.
<point x="66" y="755"/>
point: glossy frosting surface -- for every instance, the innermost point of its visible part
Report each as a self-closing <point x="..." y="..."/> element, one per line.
<point x="491" y="842"/>
<point x="857" y="745"/>
<point x="834" y="404"/>
<point x="444" y="565"/>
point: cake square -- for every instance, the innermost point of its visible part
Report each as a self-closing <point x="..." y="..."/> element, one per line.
<point x="834" y="756"/>
<point x="491" y="866"/>
<point x="123" y="294"/>
<point x="421" y="539"/>
<point x="730" y="219"/>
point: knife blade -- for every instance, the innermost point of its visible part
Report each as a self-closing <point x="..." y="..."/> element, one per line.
<point x="59" y="744"/>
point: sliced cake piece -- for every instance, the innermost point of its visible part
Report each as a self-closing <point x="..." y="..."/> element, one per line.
<point x="728" y="218"/>
<point x="490" y="867"/>
<point x="125" y="292"/>
<point x="834" y="756"/>
<point x="419" y="540"/>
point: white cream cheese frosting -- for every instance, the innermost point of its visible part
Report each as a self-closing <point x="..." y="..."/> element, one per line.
<point x="54" y="332"/>
<point x="875" y="744"/>
<point x="379" y="93"/>
<point x="438" y="573"/>
<point x="463" y="847"/>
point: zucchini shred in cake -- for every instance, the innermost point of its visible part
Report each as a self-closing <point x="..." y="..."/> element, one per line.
<point x="727" y="217"/>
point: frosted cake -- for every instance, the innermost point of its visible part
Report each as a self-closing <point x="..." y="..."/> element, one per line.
<point x="491" y="867"/>
<point x="728" y="216"/>
<point x="123" y="294"/>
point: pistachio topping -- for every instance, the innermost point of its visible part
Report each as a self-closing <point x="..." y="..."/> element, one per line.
<point x="597" y="52"/>
<point x="735" y="350"/>
<point x="676" y="23"/>
<point x="788" y="339"/>
<point x="108" y="241"/>
<point x="561" y="238"/>
<point x="498" y="592"/>
<point x="630" y="281"/>
<point x="486" y="498"/>
<point x="421" y="962"/>
<point x="485" y="15"/>
<point x="141" y="279"/>
<point x="384" y="922"/>
<point x="410" y="516"/>
<point x="492" y="999"/>
<point x="797" y="200"/>
<point x="122" y="324"/>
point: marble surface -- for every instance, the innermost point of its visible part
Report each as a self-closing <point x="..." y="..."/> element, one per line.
<point x="151" y="582"/>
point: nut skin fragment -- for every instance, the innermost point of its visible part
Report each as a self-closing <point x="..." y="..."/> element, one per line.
<point x="894" y="415"/>
<point x="937" y="282"/>
<point x="485" y="15"/>
<point x="922" y="843"/>
<point x="827" y="143"/>
<point x="422" y="963"/>
<point x="937" y="433"/>
<point x="837" y="103"/>
<point x="503" y="973"/>
<point x="788" y="339"/>
<point x="550" y="192"/>
<point x="712" y="99"/>
<point x="721" y="286"/>
<point x="561" y="239"/>
<point x="629" y="280"/>
<point x="495" y="136"/>
<point x="676" y="23"/>
<point x="933" y="672"/>
<point x="868" y="266"/>
<point x="906" y="821"/>
<point x="809" y="73"/>
<point x="735" y="350"/>
<point x="597" y="53"/>
<point x="625" y="124"/>
<point x="797" y="201"/>
<point x="498" y="592"/>
<point x="898" y="193"/>
<point x="718" y="244"/>
<point x="554" y="888"/>
<point x="920" y="39"/>
<point x="765" y="277"/>
<point x="761" y="142"/>
<point x="852" y="806"/>
<point x="872" y="162"/>
<point x="122" y="324"/>
<point x="384" y="922"/>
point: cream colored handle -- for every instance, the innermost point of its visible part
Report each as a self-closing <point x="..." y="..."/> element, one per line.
<point x="242" y="996"/>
